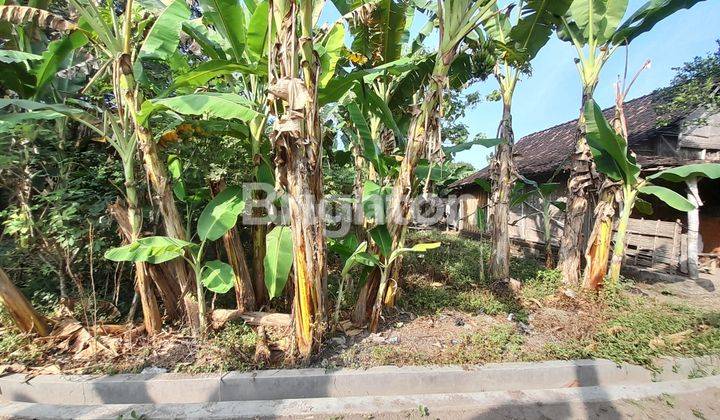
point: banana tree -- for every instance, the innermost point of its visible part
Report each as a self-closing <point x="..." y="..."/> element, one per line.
<point x="389" y="69"/>
<point x="543" y="192"/>
<point x="235" y="38"/>
<point x="125" y="146"/>
<point x="293" y="71"/>
<point x="383" y="260"/>
<point x="218" y="217"/>
<point x="618" y="163"/>
<point x="115" y="42"/>
<point x="456" y="19"/>
<point x="516" y="45"/>
<point x="595" y="29"/>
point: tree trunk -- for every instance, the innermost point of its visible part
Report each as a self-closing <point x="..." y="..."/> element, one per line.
<point x="258" y="232"/>
<point x="582" y="177"/>
<point x="358" y="213"/>
<point x="298" y="147"/>
<point x="547" y="230"/>
<point x="621" y="236"/>
<point x="598" y="249"/>
<point x="159" y="274"/>
<point x="151" y="312"/>
<point x="172" y="221"/>
<point x="155" y="170"/>
<point x="501" y="173"/>
<point x="261" y="293"/>
<point x="693" y="236"/>
<point x="378" y="305"/>
<point x="19" y="308"/>
<point x="366" y="298"/>
<point x="244" y="294"/>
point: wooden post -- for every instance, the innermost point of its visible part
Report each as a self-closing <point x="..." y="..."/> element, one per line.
<point x="693" y="239"/>
<point x="20" y="309"/>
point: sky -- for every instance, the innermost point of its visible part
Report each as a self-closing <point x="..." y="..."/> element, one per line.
<point x="551" y="95"/>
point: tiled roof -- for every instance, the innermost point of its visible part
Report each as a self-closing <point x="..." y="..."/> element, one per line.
<point x="539" y="155"/>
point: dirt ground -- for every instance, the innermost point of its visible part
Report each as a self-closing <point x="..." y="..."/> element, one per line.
<point x="446" y="316"/>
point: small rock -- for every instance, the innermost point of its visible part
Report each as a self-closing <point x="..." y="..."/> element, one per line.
<point x="454" y="342"/>
<point x="511" y="317"/>
<point x="393" y="340"/>
<point x="399" y="324"/>
<point x="570" y="293"/>
<point x="525" y="328"/>
<point x="154" y="370"/>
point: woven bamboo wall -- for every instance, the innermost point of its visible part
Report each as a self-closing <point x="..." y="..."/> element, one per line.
<point x="655" y="244"/>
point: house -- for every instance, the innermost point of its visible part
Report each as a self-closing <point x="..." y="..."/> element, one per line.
<point x="657" y="241"/>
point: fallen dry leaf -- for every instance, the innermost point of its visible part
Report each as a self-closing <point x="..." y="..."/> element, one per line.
<point x="12" y="368"/>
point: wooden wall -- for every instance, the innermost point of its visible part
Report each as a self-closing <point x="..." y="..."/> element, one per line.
<point x="655" y="244"/>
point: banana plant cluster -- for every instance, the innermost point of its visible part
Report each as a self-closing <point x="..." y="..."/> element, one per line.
<point x="615" y="160"/>
<point x="272" y="75"/>
<point x="218" y="217"/>
<point x="595" y="28"/>
<point x="382" y="259"/>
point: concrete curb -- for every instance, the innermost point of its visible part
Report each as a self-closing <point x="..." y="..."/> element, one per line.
<point x="656" y="400"/>
<point x="319" y="383"/>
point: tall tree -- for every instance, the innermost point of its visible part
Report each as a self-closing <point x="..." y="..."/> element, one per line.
<point x="594" y="28"/>
<point x="293" y="70"/>
<point x="516" y="45"/>
<point x="456" y="19"/>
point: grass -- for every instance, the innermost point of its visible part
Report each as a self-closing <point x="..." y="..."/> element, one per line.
<point x="232" y="348"/>
<point x="501" y="342"/>
<point x="616" y="324"/>
<point x="16" y="347"/>
<point x="452" y="279"/>
<point x="641" y="331"/>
